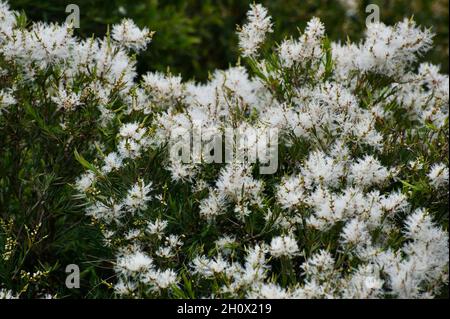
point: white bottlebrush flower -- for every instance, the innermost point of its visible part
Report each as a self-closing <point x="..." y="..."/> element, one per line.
<point x="253" y="34"/>
<point x="157" y="227"/>
<point x="163" y="90"/>
<point x="355" y="232"/>
<point x="394" y="202"/>
<point x="268" y="291"/>
<point x="308" y="48"/>
<point x="291" y="192"/>
<point x="438" y="175"/>
<point x="133" y="262"/>
<point x="319" y="266"/>
<point x="322" y="169"/>
<point x="129" y="35"/>
<point x="107" y="213"/>
<point x="7" y="20"/>
<point x="159" y="279"/>
<point x="50" y="43"/>
<point x="364" y="283"/>
<point x="209" y="267"/>
<point x="132" y="130"/>
<point x="284" y="246"/>
<point x="385" y="50"/>
<point x="225" y="244"/>
<point x="138" y="196"/>
<point x="212" y="206"/>
<point x="4" y="293"/>
<point x="85" y="181"/>
<point x="125" y="287"/>
<point x="331" y="186"/>
<point x="112" y="161"/>
<point x="6" y="99"/>
<point x="237" y="184"/>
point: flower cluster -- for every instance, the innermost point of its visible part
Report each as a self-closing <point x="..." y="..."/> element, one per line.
<point x="355" y="208"/>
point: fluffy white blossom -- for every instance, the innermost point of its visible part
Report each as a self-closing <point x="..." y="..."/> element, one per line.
<point x="438" y="175"/>
<point x="138" y="196"/>
<point x="284" y="246"/>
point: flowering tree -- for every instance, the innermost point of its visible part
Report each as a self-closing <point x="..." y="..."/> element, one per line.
<point x="356" y="208"/>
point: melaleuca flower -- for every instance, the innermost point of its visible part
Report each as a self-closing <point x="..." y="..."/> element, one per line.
<point x="66" y="100"/>
<point x="253" y="34"/>
<point x="307" y="48"/>
<point x="268" y="291"/>
<point x="213" y="205"/>
<point x="368" y="171"/>
<point x="283" y="246"/>
<point x="85" y="181"/>
<point x="133" y="263"/>
<point x="157" y="227"/>
<point x="438" y="175"/>
<point x="164" y="91"/>
<point x="138" y="196"/>
<point x="385" y="50"/>
<point x="4" y="293"/>
<point x="6" y="99"/>
<point x="357" y="129"/>
<point x="7" y="21"/>
<point x="112" y="161"/>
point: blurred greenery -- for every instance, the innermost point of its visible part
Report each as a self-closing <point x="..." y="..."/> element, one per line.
<point x="194" y="37"/>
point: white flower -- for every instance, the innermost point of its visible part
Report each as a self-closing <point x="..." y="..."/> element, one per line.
<point x="165" y="279"/>
<point x="355" y="232"/>
<point x="209" y="267"/>
<point x="4" y="293"/>
<point x="321" y="169"/>
<point x="367" y="171"/>
<point x="132" y="130"/>
<point x="138" y="196"/>
<point x="125" y="287"/>
<point x="133" y="262"/>
<point x="164" y="90"/>
<point x="157" y="227"/>
<point x="6" y="99"/>
<point x="130" y="36"/>
<point x="284" y="246"/>
<point x="85" y="181"/>
<point x="253" y="34"/>
<point x="307" y="48"/>
<point x="212" y="206"/>
<point x="438" y="175"/>
<point x="112" y="161"/>
<point x="224" y="244"/>
<point x="290" y="192"/>
<point x="319" y="266"/>
<point x="65" y="100"/>
<point x="268" y="291"/>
